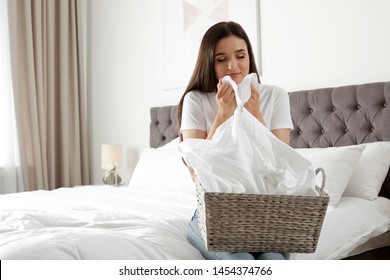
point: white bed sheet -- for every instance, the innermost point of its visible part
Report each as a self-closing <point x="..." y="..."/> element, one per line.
<point x="348" y="225"/>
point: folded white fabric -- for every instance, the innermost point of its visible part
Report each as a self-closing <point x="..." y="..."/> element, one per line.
<point x="245" y="157"/>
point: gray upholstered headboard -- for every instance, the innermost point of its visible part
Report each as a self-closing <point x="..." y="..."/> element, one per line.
<point x="327" y="117"/>
<point x="164" y="125"/>
<point x="340" y="116"/>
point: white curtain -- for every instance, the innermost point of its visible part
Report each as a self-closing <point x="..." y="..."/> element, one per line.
<point x="10" y="172"/>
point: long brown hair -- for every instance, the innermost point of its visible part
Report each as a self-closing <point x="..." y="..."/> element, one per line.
<point x="203" y="78"/>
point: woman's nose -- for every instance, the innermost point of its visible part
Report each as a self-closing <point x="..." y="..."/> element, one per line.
<point x="232" y="64"/>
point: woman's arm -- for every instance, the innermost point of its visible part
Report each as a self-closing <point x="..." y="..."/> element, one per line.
<point x="193" y="133"/>
<point x="252" y="105"/>
<point x="282" y="134"/>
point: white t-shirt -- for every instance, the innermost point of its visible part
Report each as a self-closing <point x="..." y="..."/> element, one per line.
<point x="200" y="109"/>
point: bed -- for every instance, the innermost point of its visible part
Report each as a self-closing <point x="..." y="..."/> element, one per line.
<point x="344" y="129"/>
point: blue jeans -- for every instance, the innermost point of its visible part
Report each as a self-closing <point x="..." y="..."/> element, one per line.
<point x="195" y="238"/>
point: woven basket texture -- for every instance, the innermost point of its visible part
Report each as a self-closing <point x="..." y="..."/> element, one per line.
<point x="231" y="222"/>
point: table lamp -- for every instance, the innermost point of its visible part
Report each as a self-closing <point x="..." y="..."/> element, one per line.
<point x="111" y="158"/>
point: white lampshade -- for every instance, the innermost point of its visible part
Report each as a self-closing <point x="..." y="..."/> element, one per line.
<point x="111" y="153"/>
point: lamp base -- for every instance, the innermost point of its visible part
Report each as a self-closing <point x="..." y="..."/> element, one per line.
<point x="112" y="179"/>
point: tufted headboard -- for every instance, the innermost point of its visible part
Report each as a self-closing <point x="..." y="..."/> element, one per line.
<point x="328" y="117"/>
<point x="164" y="125"/>
<point x="340" y="116"/>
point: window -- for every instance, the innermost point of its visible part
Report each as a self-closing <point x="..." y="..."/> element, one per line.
<point x="9" y="181"/>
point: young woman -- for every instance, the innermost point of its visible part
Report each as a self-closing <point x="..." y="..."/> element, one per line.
<point x="207" y="102"/>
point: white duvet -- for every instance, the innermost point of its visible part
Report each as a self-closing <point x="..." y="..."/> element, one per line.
<point x="104" y="222"/>
<point x="96" y="222"/>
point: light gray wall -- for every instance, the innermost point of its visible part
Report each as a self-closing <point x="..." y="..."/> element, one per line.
<point x="124" y="76"/>
<point x="311" y="44"/>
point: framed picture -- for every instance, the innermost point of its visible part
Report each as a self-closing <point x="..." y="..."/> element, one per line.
<point x="186" y="21"/>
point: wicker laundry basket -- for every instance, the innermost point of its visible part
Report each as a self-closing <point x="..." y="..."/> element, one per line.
<point x="232" y="222"/>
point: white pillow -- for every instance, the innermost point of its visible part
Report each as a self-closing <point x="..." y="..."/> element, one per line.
<point x="162" y="168"/>
<point x="349" y="225"/>
<point x="172" y="144"/>
<point x="370" y="172"/>
<point x="339" y="164"/>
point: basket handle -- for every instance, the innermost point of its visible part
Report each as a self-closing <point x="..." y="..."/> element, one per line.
<point x="322" y="170"/>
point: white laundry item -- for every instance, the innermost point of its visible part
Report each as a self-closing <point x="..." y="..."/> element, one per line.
<point x="243" y="156"/>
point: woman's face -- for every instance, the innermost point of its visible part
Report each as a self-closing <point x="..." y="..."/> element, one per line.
<point x="231" y="58"/>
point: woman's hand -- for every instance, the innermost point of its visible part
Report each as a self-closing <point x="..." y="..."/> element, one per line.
<point x="226" y="100"/>
<point x="253" y="103"/>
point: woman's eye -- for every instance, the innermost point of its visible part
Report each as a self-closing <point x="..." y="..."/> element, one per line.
<point x="241" y="57"/>
<point x="220" y="59"/>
